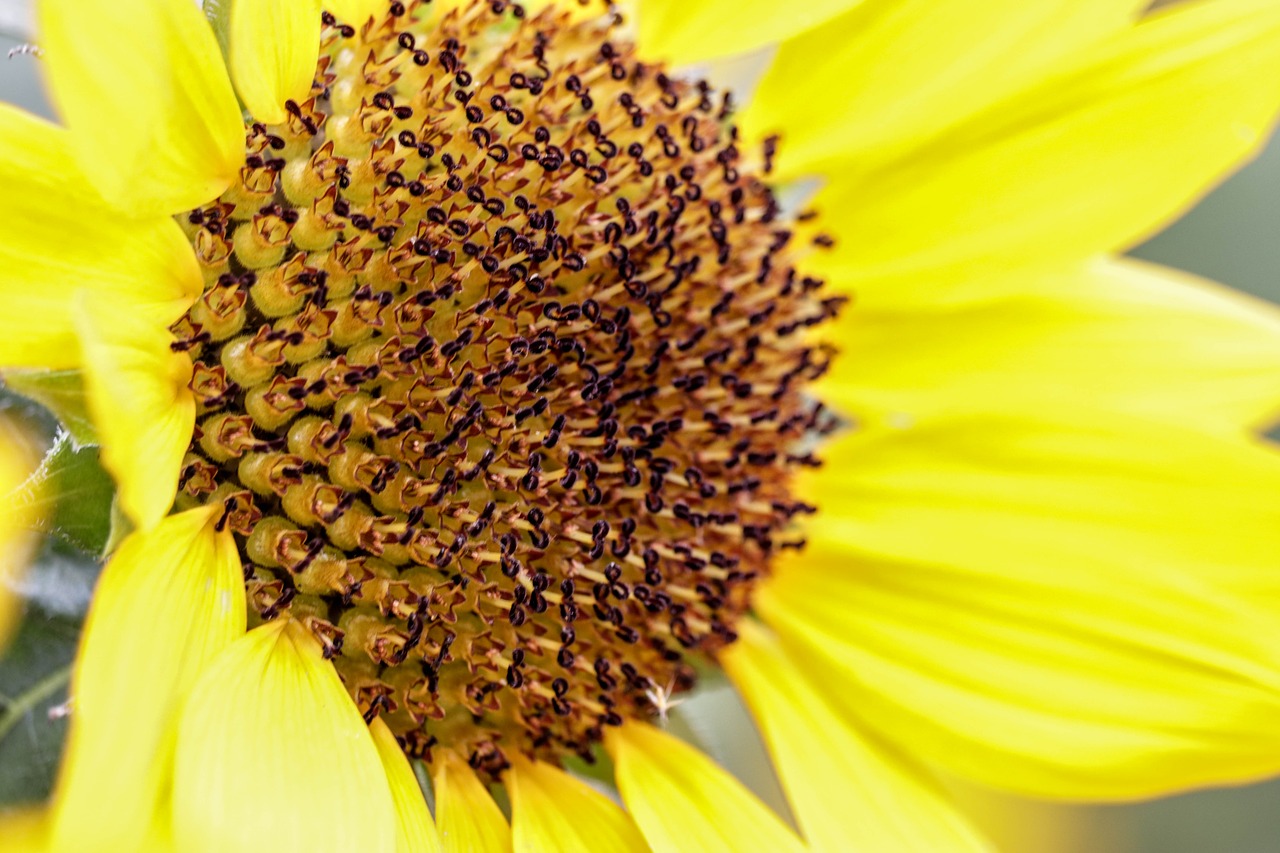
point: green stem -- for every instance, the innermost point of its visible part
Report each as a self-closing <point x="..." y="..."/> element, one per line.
<point x="31" y="697"/>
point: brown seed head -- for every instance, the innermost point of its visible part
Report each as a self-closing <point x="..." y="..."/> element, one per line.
<point x="501" y="365"/>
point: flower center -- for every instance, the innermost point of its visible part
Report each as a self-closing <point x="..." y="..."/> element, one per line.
<point x="500" y="368"/>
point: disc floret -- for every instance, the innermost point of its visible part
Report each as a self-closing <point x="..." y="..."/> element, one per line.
<point x="501" y="364"/>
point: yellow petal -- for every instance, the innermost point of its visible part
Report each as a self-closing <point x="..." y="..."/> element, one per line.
<point x="142" y="86"/>
<point x="274" y="47"/>
<point x="1045" y="606"/>
<point x="415" y="833"/>
<point x="18" y="539"/>
<point x="682" y="33"/>
<point x="682" y="801"/>
<point x="140" y="402"/>
<point x="273" y="753"/>
<point x="58" y="237"/>
<point x="1016" y="490"/>
<point x="551" y="810"/>
<point x="1093" y="159"/>
<point x="1020" y="823"/>
<point x="24" y="831"/>
<point x="467" y="817"/>
<point x="847" y="789"/>
<point x="889" y="74"/>
<point x="167" y="603"/>
<point x="1110" y="335"/>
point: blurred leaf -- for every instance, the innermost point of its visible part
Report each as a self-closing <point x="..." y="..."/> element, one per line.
<point x="119" y="528"/>
<point x="35" y="669"/>
<point x="219" y="14"/>
<point x="599" y="768"/>
<point x="72" y="491"/>
<point x="62" y="393"/>
<point x="72" y="494"/>
<point x="59" y="581"/>
<point x="423" y="775"/>
<point x="34" y="675"/>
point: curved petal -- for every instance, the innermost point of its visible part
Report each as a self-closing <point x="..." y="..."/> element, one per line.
<point x="57" y="237"/>
<point x="1044" y="607"/>
<point x="415" y="833"/>
<point x="467" y="817"/>
<point x="1026" y="491"/>
<point x="683" y="33"/>
<point x="18" y="538"/>
<point x="142" y="86"/>
<point x="270" y="746"/>
<point x="847" y="789"/>
<point x="1110" y="335"/>
<point x="889" y="74"/>
<point x="681" y="800"/>
<point x="169" y="601"/>
<point x="274" y="48"/>
<point x="551" y="810"/>
<point x="140" y="402"/>
<point x="1091" y="160"/>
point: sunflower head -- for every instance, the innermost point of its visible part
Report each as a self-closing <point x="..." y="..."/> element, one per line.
<point x="482" y="363"/>
<point x="500" y="369"/>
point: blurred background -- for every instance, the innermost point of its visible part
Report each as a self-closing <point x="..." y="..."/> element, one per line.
<point x="1233" y="236"/>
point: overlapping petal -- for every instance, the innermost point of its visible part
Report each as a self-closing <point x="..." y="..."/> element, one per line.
<point x="682" y="33"/>
<point x="1044" y="606"/>
<point x="270" y="746"/>
<point x="57" y="238"/>
<point x="681" y="800"/>
<point x="467" y="817"/>
<point x="169" y="601"/>
<point x="415" y="832"/>
<point x="1110" y="335"/>
<point x="551" y="810"/>
<point x="142" y="86"/>
<point x="847" y="789"/>
<point x="1065" y="168"/>
<point x="274" y="47"/>
<point x="867" y="84"/>
<point x="141" y="404"/>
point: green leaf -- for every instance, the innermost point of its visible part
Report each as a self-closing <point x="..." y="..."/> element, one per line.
<point x="34" y="674"/>
<point x="423" y="775"/>
<point x="72" y="492"/>
<point x="34" y="670"/>
<point x="62" y="393"/>
<point x="219" y="14"/>
<point x="119" y="528"/>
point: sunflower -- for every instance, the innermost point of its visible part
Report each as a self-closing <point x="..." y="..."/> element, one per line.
<point x="460" y="367"/>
